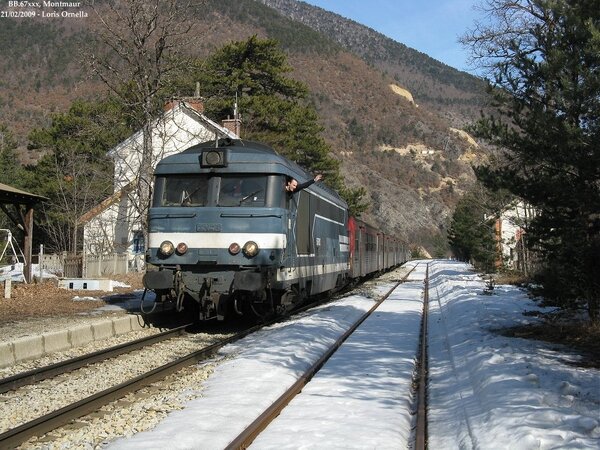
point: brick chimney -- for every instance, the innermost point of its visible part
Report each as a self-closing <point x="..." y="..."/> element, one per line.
<point x="233" y="125"/>
<point x="196" y="102"/>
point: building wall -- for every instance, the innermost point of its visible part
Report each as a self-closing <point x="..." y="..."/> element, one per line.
<point x="99" y="232"/>
<point x="176" y="131"/>
<point x="513" y="223"/>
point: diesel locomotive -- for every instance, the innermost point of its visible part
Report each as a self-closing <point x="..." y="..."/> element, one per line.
<point x="225" y="237"/>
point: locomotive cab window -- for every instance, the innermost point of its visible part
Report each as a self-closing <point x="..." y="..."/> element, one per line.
<point x="242" y="190"/>
<point x="182" y="191"/>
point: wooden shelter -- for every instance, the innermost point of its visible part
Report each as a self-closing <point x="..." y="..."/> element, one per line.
<point x="22" y="216"/>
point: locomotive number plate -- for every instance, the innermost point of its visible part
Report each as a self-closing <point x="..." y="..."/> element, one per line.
<point x="208" y="227"/>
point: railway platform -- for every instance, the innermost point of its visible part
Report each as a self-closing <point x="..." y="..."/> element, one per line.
<point x="45" y="319"/>
<point x="80" y="331"/>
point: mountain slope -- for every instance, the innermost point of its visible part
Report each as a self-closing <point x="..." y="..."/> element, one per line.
<point x="388" y="111"/>
<point x="459" y="95"/>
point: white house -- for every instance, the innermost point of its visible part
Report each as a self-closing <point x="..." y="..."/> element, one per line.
<point x="510" y="233"/>
<point x="113" y="226"/>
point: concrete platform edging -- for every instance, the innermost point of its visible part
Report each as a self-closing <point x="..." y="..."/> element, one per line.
<point x="31" y="347"/>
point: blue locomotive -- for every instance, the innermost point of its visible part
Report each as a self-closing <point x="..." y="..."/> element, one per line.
<point x="225" y="236"/>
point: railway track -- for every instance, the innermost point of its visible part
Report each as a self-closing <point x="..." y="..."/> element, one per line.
<point x="422" y="368"/>
<point x="246" y="437"/>
<point x="64" y="415"/>
<point x="53" y="370"/>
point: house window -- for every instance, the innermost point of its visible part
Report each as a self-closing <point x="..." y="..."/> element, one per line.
<point x="139" y="245"/>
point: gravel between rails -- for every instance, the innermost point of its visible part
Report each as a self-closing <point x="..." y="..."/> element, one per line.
<point x="74" y="352"/>
<point x="134" y="413"/>
<point x="27" y="403"/>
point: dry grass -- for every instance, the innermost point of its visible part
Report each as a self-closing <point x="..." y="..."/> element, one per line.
<point x="46" y="299"/>
<point x="514" y="278"/>
<point x="582" y="337"/>
<point x="563" y="327"/>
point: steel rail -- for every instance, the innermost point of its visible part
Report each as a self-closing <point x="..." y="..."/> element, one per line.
<point x="52" y="370"/>
<point x="422" y="369"/>
<point x="246" y="437"/>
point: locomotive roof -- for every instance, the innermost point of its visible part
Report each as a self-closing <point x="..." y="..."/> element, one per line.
<point x="252" y="155"/>
<point x="236" y="144"/>
<point x="242" y="157"/>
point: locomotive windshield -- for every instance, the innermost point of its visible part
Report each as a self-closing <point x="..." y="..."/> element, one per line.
<point x="184" y="191"/>
<point x="242" y="190"/>
<point x="235" y="190"/>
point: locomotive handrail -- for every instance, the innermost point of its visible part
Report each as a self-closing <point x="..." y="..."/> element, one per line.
<point x="244" y="216"/>
<point x="172" y="216"/>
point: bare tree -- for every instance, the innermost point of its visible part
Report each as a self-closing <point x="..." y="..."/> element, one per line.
<point x="504" y="36"/>
<point x="142" y="43"/>
<point x="77" y="183"/>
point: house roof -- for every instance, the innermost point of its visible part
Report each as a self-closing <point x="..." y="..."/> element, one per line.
<point x="210" y="124"/>
<point x="181" y="107"/>
<point x="104" y="204"/>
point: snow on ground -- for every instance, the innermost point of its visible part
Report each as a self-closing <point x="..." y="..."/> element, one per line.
<point x="491" y="391"/>
<point x="486" y="391"/>
<point x="354" y="399"/>
<point x="15" y="272"/>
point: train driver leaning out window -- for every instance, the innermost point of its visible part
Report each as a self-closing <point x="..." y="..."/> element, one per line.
<point x="291" y="184"/>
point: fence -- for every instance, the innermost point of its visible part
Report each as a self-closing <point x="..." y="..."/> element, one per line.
<point x="103" y="265"/>
<point x="91" y="266"/>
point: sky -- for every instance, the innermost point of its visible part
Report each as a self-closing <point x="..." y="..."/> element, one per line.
<point x="485" y="390"/>
<point x="429" y="26"/>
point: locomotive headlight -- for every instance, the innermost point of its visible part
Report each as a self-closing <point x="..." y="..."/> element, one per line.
<point x="181" y="248"/>
<point x="234" y="248"/>
<point x="167" y="248"/>
<point x="213" y="158"/>
<point x="250" y="249"/>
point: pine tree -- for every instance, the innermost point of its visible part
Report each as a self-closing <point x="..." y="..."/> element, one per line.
<point x="74" y="171"/>
<point x="544" y="56"/>
<point x="471" y="233"/>
<point x="11" y="172"/>
<point x="10" y="169"/>
<point x="273" y="106"/>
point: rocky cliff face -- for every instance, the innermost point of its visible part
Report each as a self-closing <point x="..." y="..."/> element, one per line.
<point x="394" y="118"/>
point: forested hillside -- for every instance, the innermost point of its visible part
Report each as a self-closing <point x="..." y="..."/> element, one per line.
<point x="390" y="113"/>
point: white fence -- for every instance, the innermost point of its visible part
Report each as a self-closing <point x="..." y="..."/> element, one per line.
<point x="92" y="266"/>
